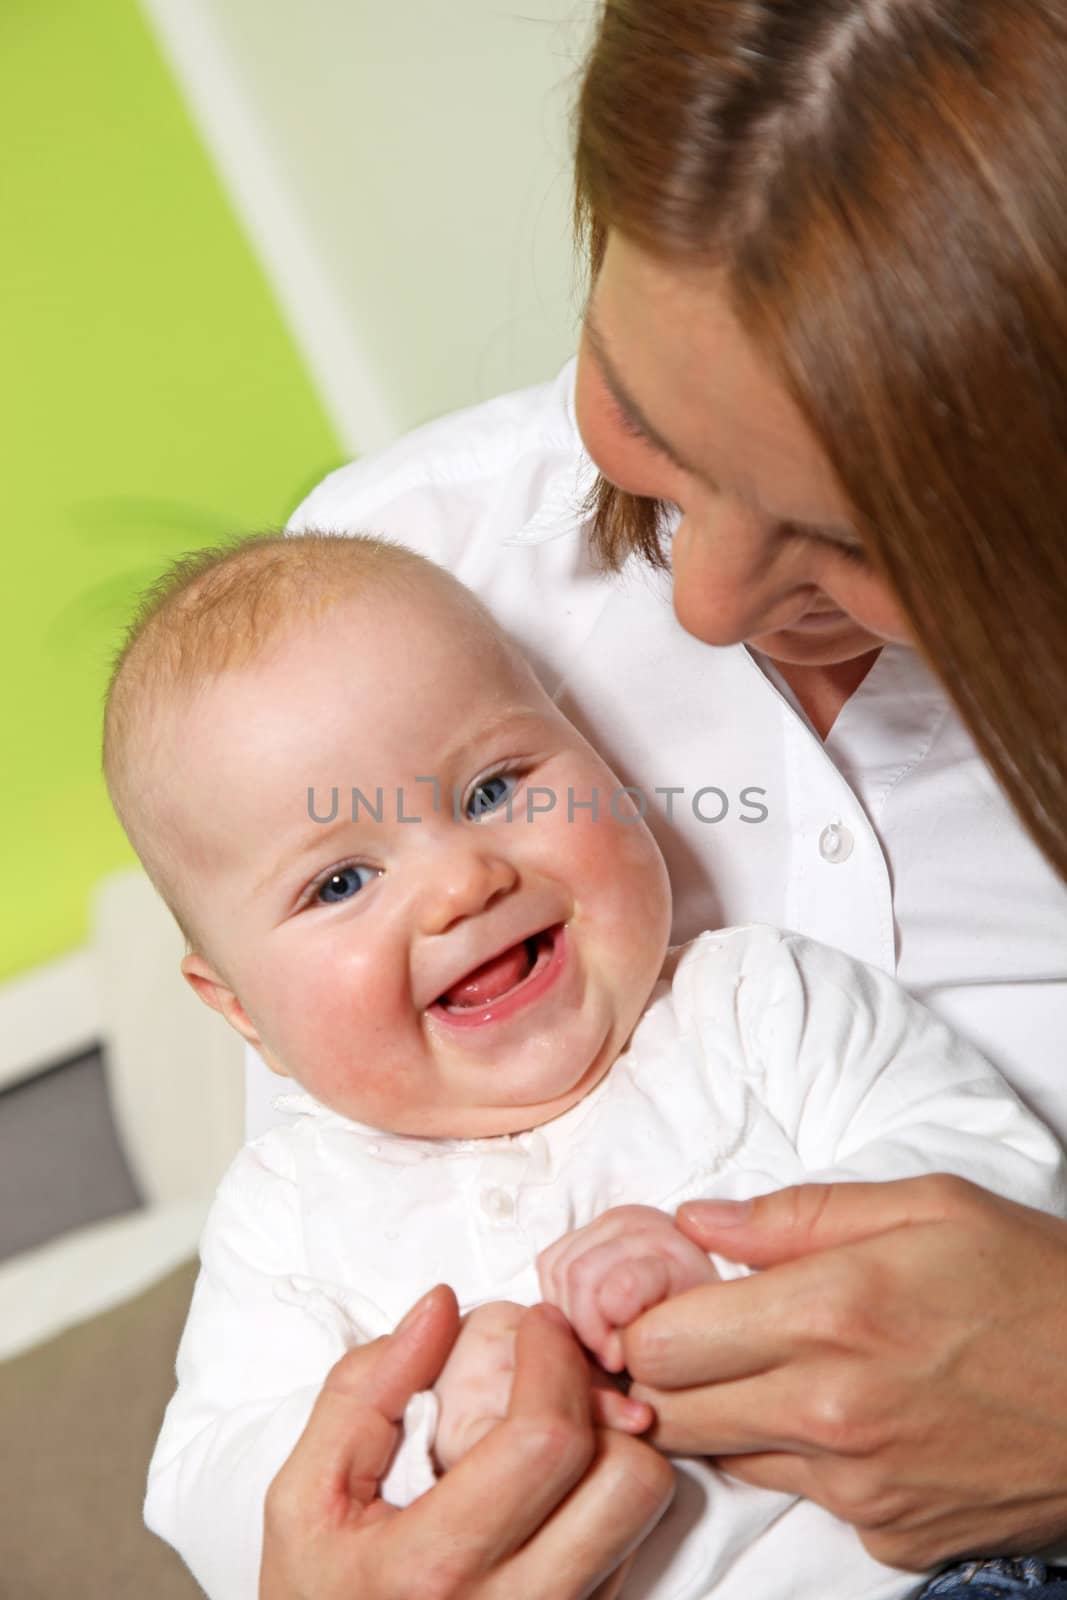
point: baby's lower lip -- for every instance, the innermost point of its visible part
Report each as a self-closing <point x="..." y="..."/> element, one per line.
<point x="551" y="948"/>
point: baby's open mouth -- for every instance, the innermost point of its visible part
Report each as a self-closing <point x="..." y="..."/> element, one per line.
<point x="501" y="975"/>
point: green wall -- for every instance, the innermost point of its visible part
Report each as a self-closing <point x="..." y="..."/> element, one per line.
<point x="152" y="402"/>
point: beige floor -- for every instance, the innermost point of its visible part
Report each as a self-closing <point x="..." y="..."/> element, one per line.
<point x="78" y="1417"/>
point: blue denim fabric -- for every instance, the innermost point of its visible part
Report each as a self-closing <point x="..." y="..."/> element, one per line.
<point x="996" y="1580"/>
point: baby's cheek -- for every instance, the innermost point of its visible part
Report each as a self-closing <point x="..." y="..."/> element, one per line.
<point x="336" y="1041"/>
<point x="632" y="913"/>
<point x="625" y="865"/>
<point x="605" y="836"/>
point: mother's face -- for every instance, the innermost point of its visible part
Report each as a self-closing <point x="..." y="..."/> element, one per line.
<point x="675" y="403"/>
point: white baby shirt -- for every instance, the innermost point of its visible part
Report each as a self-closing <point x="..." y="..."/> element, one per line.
<point x="766" y="1060"/>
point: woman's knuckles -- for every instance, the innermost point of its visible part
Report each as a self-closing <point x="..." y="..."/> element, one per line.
<point x="851" y="1300"/>
<point x="444" y="1574"/>
<point x="284" y="1506"/>
<point x="857" y="1492"/>
<point x="636" y="1474"/>
<point x="844" y="1413"/>
<point x="553" y="1448"/>
<point x="905" y="1550"/>
<point x="651" y="1348"/>
<point x="943" y="1196"/>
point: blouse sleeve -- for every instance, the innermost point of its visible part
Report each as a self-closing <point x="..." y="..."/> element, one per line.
<point x="869" y="1085"/>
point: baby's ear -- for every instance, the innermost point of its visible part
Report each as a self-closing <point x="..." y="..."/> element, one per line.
<point x="202" y="978"/>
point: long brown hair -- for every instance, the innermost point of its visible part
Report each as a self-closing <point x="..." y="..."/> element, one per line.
<point x="885" y="184"/>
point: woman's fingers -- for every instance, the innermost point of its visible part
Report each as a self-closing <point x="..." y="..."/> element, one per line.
<point x="544" y="1504"/>
<point x="610" y="1589"/>
<point x="818" y="1216"/>
<point x="724" y="1331"/>
<point x="531" y="1459"/>
<point x="551" y="1372"/>
<point x="880" y="1376"/>
<point x="352" y="1430"/>
<point x="768" y="1412"/>
<point x="324" y="1501"/>
<point x="618" y="1502"/>
<point x="835" y="1281"/>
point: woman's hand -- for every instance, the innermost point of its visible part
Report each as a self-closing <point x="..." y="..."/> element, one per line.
<point x="544" y="1504"/>
<point x="903" y="1361"/>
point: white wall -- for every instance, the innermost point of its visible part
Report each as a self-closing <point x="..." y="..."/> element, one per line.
<point x="404" y="169"/>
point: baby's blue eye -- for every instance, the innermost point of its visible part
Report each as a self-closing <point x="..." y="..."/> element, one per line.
<point x="343" y="884"/>
<point x="489" y="794"/>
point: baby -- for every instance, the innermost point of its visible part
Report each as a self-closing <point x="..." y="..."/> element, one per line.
<point x="416" y="890"/>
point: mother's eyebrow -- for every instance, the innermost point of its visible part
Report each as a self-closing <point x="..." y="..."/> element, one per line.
<point x="836" y="532"/>
<point x="625" y="402"/>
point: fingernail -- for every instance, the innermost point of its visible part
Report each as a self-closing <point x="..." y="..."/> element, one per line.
<point x="716" y="1213"/>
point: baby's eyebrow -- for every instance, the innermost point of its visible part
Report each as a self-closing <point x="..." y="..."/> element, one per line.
<point x="312" y="843"/>
<point x="489" y="738"/>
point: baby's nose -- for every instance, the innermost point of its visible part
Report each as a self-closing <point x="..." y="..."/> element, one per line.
<point x="461" y="884"/>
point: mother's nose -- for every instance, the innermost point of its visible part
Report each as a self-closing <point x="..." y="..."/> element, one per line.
<point x="723" y="571"/>
<point x="461" y="881"/>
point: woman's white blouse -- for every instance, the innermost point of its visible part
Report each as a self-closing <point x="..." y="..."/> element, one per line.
<point x="890" y="840"/>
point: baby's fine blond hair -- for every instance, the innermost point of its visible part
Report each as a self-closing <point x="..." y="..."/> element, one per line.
<point x="213" y="611"/>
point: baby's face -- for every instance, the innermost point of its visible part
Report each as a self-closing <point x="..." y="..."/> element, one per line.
<point x="469" y="973"/>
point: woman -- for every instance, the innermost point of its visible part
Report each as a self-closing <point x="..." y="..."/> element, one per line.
<point x="827" y="324"/>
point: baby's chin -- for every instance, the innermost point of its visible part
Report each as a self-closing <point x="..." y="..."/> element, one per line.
<point x="478" y="1122"/>
<point x="495" y="1122"/>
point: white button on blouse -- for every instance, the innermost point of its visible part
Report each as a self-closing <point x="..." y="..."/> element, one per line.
<point x="498" y="1205"/>
<point x="835" y="843"/>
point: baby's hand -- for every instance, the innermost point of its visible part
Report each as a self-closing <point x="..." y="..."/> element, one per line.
<point x="474" y="1385"/>
<point x="475" y="1382"/>
<point x="604" y="1275"/>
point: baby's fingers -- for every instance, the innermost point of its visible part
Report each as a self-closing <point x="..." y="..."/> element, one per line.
<point x="619" y="1224"/>
<point x="632" y="1287"/>
<point x="579" y="1298"/>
